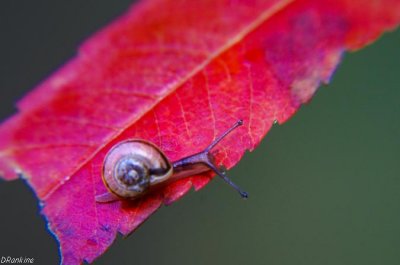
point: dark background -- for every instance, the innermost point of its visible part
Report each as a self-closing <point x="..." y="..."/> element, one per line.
<point x="324" y="187"/>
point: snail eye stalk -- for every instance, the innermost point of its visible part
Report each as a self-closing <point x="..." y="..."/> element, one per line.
<point x="206" y="158"/>
<point x="222" y="173"/>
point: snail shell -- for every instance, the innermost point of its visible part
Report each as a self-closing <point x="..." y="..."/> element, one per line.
<point x="132" y="166"/>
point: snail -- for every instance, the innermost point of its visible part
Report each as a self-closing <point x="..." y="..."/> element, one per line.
<point x="133" y="167"/>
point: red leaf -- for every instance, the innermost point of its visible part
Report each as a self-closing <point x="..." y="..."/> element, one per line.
<point x="176" y="73"/>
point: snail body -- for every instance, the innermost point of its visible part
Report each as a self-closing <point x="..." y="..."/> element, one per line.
<point x="132" y="167"/>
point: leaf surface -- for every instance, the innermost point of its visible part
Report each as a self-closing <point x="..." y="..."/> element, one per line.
<point x="176" y="73"/>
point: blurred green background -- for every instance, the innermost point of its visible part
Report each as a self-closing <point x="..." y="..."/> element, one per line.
<point x="324" y="187"/>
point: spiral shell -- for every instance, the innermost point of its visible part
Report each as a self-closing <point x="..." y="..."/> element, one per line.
<point x="132" y="166"/>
